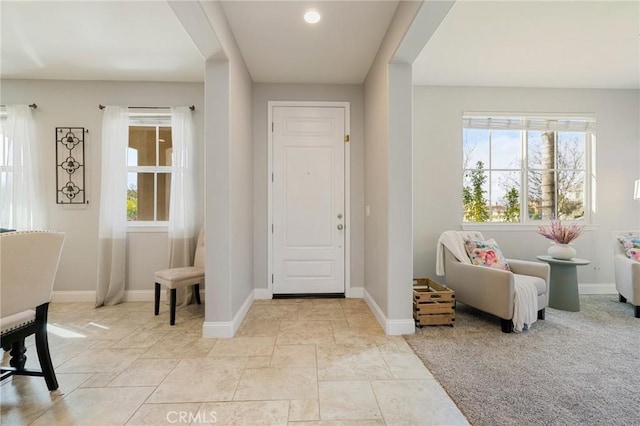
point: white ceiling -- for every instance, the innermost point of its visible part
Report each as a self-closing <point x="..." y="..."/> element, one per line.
<point x="582" y="44"/>
<point x="569" y="44"/>
<point x="280" y="47"/>
<point x="96" y="40"/>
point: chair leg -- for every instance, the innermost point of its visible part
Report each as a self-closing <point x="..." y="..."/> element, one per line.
<point x="156" y="307"/>
<point x="541" y="313"/>
<point x="42" y="347"/>
<point x="196" y="293"/>
<point x="506" y="325"/>
<point x="621" y="298"/>
<point x="636" y="310"/>
<point x="18" y="357"/>
<point x="173" y="306"/>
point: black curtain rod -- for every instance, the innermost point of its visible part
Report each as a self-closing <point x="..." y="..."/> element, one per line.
<point x="192" y="107"/>
<point x="33" y="105"/>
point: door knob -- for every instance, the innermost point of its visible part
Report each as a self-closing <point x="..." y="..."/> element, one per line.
<point x="340" y="227"/>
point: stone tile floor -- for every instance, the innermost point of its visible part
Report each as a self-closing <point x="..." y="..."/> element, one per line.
<point x="292" y="362"/>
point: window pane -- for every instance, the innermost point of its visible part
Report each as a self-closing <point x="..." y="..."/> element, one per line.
<point x="475" y="195"/>
<point x="540" y="165"/>
<point x="5" y="180"/>
<point x="132" y="196"/>
<point x="505" y="196"/>
<point x="166" y="147"/>
<point x="505" y="149"/>
<point x="571" y="148"/>
<point x="141" y="188"/>
<point x="475" y="147"/>
<point x="541" y="150"/>
<point x="6" y="154"/>
<point x="132" y="156"/>
<point x="534" y="149"/>
<point x="164" y="188"/>
<point x="4" y="146"/>
<point x="142" y="141"/>
<point x="570" y="195"/>
<point x="541" y="198"/>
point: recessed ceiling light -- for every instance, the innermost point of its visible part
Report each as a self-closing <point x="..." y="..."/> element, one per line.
<point x="312" y="17"/>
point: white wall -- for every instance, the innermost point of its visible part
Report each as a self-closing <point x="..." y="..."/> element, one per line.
<point x="438" y="168"/>
<point x="385" y="281"/>
<point x="376" y="185"/>
<point x="75" y="104"/>
<point x="241" y="144"/>
<point x="262" y="93"/>
<point x="229" y="182"/>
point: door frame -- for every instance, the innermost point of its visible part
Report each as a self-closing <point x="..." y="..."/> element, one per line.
<point x="347" y="185"/>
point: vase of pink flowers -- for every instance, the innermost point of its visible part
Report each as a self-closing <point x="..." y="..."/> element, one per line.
<point x="561" y="235"/>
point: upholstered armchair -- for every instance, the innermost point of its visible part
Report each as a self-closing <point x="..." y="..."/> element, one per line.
<point x="627" y="270"/>
<point x="493" y="290"/>
<point x="29" y="262"/>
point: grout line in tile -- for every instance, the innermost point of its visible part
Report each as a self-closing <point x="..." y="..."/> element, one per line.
<point x="235" y="391"/>
<point x="197" y="411"/>
<point x="318" y="377"/>
<point x="377" y="402"/>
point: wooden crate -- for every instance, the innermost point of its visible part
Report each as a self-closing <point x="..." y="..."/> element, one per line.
<point x="433" y="303"/>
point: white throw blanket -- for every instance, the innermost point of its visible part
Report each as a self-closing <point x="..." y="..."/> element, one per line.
<point x="525" y="303"/>
<point x="455" y="243"/>
<point x="525" y="298"/>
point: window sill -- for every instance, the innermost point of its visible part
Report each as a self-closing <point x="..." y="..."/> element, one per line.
<point x="512" y="226"/>
<point x="147" y="227"/>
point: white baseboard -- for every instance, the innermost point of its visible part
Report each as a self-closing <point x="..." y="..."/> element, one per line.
<point x="355" y="293"/>
<point x="391" y="327"/>
<point x="243" y="311"/>
<point x="142" y="295"/>
<point x="73" y="296"/>
<point x="262" y="294"/>
<point x="227" y="329"/>
<point x="217" y="329"/>
<point x="90" y="296"/>
<point x="601" y="288"/>
<point x="400" y="326"/>
<point x="382" y="319"/>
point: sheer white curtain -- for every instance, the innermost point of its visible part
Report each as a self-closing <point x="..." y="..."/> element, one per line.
<point x="182" y="231"/>
<point x="21" y="197"/>
<point x="112" y="233"/>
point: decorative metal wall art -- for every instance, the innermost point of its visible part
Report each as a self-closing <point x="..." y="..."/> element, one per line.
<point x="70" y="183"/>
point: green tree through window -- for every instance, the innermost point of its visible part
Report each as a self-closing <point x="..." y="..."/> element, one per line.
<point x="476" y="207"/>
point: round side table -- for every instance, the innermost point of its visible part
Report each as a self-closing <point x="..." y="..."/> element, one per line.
<point x="563" y="292"/>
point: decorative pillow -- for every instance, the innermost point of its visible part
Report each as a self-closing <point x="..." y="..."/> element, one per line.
<point x="634" y="254"/>
<point x="629" y="242"/>
<point x="486" y="253"/>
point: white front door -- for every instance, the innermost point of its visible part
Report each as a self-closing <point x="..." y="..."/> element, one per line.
<point x="308" y="200"/>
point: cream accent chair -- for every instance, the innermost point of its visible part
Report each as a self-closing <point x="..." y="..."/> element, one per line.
<point x="627" y="273"/>
<point x="491" y="290"/>
<point x="174" y="278"/>
<point x="28" y="265"/>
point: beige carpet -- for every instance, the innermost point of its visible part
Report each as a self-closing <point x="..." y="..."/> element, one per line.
<point x="574" y="368"/>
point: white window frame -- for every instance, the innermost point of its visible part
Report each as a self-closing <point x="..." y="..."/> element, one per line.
<point x="589" y="169"/>
<point x="150" y="119"/>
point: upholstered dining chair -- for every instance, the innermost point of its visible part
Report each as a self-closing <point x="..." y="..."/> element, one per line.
<point x="28" y="265"/>
<point x="174" y="278"/>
